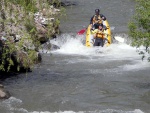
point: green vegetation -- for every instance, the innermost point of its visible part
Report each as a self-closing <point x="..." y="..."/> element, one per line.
<point x="17" y="19"/>
<point x="29" y="5"/>
<point x="139" y="27"/>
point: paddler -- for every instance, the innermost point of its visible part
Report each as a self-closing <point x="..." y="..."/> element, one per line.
<point x="99" y="36"/>
<point x="97" y="19"/>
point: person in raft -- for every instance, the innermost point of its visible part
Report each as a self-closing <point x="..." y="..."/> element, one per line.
<point x="100" y="36"/>
<point x="97" y="19"/>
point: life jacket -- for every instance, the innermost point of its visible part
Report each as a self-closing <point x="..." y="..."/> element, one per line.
<point x="97" y="19"/>
<point x="100" y="34"/>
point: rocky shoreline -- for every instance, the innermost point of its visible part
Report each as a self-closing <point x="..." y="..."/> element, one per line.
<point x="22" y="34"/>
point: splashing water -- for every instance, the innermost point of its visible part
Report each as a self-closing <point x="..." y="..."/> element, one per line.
<point x="75" y="44"/>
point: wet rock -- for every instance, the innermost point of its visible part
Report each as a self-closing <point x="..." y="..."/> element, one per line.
<point x="39" y="57"/>
<point x="3" y="93"/>
<point x="64" y="3"/>
<point x="54" y="36"/>
<point x="54" y="47"/>
<point x="1" y="86"/>
<point x="67" y="3"/>
<point x="49" y="46"/>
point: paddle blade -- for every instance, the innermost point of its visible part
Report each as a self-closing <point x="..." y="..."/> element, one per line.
<point x="81" y="32"/>
<point x="119" y="39"/>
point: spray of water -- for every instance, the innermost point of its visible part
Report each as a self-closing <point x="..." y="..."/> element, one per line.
<point x="71" y="44"/>
<point x="75" y="44"/>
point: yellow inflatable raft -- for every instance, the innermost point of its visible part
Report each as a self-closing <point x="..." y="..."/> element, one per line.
<point x="90" y="38"/>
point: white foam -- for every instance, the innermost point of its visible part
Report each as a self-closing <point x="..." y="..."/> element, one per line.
<point x="8" y="106"/>
<point x="12" y="100"/>
<point x="102" y="111"/>
<point x="12" y="104"/>
<point x="138" y="65"/>
<point x="75" y="45"/>
<point x="120" y="39"/>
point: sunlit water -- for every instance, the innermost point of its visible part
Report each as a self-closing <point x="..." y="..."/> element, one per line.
<point x="77" y="79"/>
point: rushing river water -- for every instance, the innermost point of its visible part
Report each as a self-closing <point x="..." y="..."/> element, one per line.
<point x="77" y="79"/>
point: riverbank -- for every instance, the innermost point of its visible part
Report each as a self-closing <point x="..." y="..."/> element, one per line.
<point x="28" y="31"/>
<point x="22" y="33"/>
<point x="77" y="79"/>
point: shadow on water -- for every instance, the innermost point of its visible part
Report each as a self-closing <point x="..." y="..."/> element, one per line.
<point x="5" y="75"/>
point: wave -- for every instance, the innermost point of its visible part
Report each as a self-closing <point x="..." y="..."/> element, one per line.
<point x="103" y="111"/>
<point x="71" y="44"/>
<point x="12" y="105"/>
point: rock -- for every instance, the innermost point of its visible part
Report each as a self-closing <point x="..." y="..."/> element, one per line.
<point x="1" y="86"/>
<point x="50" y="46"/>
<point x="44" y="12"/>
<point x="54" y="47"/>
<point x="3" y="93"/>
<point x="67" y="3"/>
<point x="58" y="3"/>
<point x="39" y="57"/>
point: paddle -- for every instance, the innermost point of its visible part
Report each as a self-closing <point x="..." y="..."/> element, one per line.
<point x="119" y="39"/>
<point x="81" y="32"/>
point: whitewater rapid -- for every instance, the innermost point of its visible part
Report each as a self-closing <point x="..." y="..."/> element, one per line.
<point x="75" y="45"/>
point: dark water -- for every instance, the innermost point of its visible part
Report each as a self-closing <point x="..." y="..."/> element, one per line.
<point x="85" y="80"/>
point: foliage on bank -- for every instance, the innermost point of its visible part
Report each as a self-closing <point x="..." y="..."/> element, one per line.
<point x="139" y="26"/>
<point x="19" y="35"/>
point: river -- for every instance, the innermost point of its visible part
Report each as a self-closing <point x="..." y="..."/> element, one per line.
<point x="77" y="79"/>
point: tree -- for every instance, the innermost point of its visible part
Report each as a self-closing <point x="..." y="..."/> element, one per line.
<point x="139" y="26"/>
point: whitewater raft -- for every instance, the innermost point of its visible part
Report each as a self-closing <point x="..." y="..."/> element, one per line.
<point x="90" y="39"/>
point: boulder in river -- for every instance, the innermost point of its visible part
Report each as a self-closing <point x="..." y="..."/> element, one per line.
<point x="3" y="93"/>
